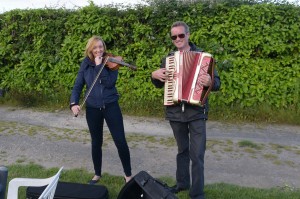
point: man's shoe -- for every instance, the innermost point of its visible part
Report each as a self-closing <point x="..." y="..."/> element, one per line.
<point x="176" y="189"/>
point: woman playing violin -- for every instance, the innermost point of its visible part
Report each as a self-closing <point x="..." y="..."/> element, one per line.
<point x="101" y="104"/>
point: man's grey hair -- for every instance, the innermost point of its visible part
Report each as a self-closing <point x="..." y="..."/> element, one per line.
<point x="181" y="23"/>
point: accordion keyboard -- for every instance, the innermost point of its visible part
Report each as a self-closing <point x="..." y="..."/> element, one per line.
<point x="169" y="84"/>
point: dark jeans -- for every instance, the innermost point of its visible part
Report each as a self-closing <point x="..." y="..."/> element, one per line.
<point x="191" y="143"/>
<point x="114" y="120"/>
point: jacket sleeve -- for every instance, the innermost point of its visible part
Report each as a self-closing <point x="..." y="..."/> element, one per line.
<point x="217" y="81"/>
<point x="157" y="83"/>
<point x="78" y="86"/>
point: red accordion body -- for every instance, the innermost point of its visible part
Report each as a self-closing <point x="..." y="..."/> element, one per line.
<point x="186" y="87"/>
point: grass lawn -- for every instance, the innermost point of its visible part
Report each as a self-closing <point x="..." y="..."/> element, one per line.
<point x="115" y="184"/>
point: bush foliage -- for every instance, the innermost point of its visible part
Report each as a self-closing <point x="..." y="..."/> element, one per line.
<point x="256" y="45"/>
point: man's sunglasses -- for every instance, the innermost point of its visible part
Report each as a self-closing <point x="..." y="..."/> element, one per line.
<point x="181" y="36"/>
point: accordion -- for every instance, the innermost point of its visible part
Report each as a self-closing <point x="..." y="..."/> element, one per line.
<point x="186" y="87"/>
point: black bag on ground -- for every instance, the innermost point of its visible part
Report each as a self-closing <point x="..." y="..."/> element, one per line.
<point x="69" y="190"/>
<point x="144" y="186"/>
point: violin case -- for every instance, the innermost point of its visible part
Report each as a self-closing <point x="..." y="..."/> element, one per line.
<point x="68" y="190"/>
<point x="144" y="186"/>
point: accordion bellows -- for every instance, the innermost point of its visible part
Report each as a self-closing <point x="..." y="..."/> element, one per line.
<point x="185" y="86"/>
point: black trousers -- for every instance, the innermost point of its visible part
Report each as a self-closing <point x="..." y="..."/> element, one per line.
<point x="114" y="120"/>
<point x="191" y="143"/>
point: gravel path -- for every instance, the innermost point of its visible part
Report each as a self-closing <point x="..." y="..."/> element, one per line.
<point x="270" y="156"/>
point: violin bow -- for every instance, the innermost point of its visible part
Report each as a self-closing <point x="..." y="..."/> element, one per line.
<point x="93" y="84"/>
<point x="96" y="78"/>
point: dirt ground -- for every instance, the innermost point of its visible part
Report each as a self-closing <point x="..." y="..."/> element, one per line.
<point x="249" y="155"/>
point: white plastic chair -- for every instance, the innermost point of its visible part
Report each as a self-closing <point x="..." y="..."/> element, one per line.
<point x="48" y="193"/>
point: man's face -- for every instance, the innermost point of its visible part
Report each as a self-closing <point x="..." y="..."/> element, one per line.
<point x="180" y="38"/>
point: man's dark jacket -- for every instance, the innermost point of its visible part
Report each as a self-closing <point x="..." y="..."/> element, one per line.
<point x="191" y="112"/>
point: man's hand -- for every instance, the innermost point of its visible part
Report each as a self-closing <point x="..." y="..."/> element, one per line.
<point x="205" y="80"/>
<point x="160" y="74"/>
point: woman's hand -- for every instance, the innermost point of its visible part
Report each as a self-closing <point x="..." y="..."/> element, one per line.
<point x="98" y="59"/>
<point x="75" y="109"/>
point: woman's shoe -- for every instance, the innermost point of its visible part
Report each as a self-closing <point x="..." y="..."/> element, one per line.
<point x="127" y="179"/>
<point x="94" y="180"/>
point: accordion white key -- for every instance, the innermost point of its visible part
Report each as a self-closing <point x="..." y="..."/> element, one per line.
<point x="185" y="86"/>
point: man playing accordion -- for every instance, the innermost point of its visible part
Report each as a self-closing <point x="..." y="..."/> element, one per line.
<point x="187" y="119"/>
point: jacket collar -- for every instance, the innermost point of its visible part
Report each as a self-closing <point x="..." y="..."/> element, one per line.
<point x="88" y="63"/>
<point x="193" y="48"/>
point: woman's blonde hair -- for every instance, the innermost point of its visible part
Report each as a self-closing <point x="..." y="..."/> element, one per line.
<point x="90" y="45"/>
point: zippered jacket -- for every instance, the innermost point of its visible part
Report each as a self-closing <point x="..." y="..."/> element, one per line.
<point x="104" y="90"/>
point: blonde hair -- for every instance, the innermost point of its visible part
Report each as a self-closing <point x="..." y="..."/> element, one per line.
<point x="90" y="45"/>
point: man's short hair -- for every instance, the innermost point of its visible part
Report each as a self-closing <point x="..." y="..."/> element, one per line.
<point x="181" y="23"/>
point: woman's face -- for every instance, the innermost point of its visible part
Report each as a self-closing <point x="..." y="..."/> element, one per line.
<point x="98" y="49"/>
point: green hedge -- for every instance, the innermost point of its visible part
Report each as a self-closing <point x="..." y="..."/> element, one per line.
<point x="256" y="46"/>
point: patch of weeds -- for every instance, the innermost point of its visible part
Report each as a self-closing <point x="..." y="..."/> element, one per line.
<point x="250" y="144"/>
<point x="277" y="162"/>
<point x="287" y="187"/>
<point x="31" y="162"/>
<point x="134" y="145"/>
<point x="19" y="161"/>
<point x="230" y="142"/>
<point x="253" y="156"/>
<point x="279" y="148"/>
<point x="270" y="156"/>
<point x="2" y="129"/>
<point x="214" y="151"/>
<point x="228" y="149"/>
<point x="3" y="152"/>
<point x="167" y="141"/>
<point x="150" y="141"/>
<point x="211" y="143"/>
<point x="11" y="132"/>
<point x="32" y="131"/>
<point x="250" y="150"/>
<point x="219" y="158"/>
<point x="290" y="163"/>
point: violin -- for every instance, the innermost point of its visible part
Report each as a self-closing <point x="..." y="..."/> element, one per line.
<point x="114" y="62"/>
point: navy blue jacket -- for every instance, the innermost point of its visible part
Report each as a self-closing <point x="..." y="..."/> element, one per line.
<point x="104" y="90"/>
<point x="192" y="112"/>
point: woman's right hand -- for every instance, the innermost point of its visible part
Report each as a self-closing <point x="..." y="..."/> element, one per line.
<point x="75" y="109"/>
<point x="98" y="59"/>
